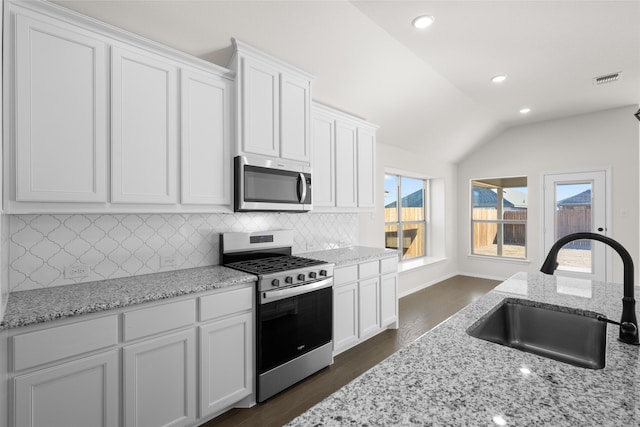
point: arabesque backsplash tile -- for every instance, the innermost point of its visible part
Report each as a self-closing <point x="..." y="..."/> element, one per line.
<point x="41" y="246"/>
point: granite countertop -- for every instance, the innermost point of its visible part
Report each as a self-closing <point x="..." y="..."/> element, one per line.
<point x="350" y="255"/>
<point x="43" y="305"/>
<point x="447" y="377"/>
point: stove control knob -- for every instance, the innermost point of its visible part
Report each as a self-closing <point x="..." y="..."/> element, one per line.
<point x="313" y="275"/>
<point x="323" y="272"/>
<point x="301" y="277"/>
<point x="289" y="279"/>
<point x="275" y="282"/>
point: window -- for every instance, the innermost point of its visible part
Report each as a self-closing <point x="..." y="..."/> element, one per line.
<point x="405" y="215"/>
<point x="499" y="217"/>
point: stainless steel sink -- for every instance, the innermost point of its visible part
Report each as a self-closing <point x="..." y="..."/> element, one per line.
<point x="559" y="333"/>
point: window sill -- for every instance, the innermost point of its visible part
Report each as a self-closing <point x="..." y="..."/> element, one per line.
<point x="417" y="263"/>
<point x="500" y="259"/>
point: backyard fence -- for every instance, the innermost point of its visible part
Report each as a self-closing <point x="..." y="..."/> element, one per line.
<point x="413" y="236"/>
<point x="568" y="220"/>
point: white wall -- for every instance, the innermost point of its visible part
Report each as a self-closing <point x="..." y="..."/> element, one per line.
<point x="444" y="230"/>
<point x="599" y="140"/>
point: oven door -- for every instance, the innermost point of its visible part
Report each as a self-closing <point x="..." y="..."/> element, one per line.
<point x="269" y="185"/>
<point x="291" y="326"/>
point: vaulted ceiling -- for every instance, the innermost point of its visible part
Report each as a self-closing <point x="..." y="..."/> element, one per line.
<point x="429" y="90"/>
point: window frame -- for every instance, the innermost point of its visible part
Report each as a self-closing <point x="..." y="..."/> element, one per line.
<point x="500" y="222"/>
<point x="426" y="221"/>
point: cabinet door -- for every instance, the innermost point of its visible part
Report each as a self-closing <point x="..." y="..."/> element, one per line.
<point x="260" y="108"/>
<point x="345" y="316"/>
<point x="144" y="125"/>
<point x="366" y="168"/>
<point x="79" y="393"/>
<point x="295" y="103"/>
<point x="205" y="142"/>
<point x="226" y="363"/>
<point x="160" y="380"/>
<point x="61" y="114"/>
<point x="369" y="307"/>
<point x="346" y="178"/>
<point x="388" y="300"/>
<point x="322" y="161"/>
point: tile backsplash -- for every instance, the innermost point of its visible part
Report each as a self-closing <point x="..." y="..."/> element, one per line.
<point x="41" y="246"/>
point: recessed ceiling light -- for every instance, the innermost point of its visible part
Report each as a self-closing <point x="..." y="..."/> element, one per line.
<point x="423" y="21"/>
<point x="499" y="78"/>
<point x="525" y="110"/>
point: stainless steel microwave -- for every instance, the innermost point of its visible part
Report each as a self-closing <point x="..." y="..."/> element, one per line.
<point x="271" y="185"/>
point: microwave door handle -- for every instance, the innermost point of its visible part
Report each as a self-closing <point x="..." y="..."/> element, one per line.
<point x="302" y="181"/>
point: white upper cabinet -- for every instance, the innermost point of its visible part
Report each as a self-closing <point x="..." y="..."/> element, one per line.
<point x="60" y="113"/>
<point x="323" y="159"/>
<point x="274" y="105"/>
<point x="206" y="138"/>
<point x="366" y="167"/>
<point x="101" y="120"/>
<point x="144" y="128"/>
<point x="343" y="159"/>
<point x="295" y="106"/>
<point x="346" y="173"/>
<point x="260" y="104"/>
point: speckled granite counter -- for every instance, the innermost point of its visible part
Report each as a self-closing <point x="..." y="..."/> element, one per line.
<point x="43" y="305"/>
<point x="450" y="378"/>
<point x="350" y="255"/>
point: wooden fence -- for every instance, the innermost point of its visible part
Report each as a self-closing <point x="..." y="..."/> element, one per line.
<point x="413" y="238"/>
<point x="486" y="233"/>
<point x="572" y="220"/>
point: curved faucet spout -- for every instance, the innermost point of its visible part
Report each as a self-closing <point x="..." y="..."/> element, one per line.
<point x="628" y="322"/>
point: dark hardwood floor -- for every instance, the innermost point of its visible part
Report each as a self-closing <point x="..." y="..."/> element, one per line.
<point x="418" y="313"/>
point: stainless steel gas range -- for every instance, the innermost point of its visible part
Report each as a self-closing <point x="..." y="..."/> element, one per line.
<point x="294" y="307"/>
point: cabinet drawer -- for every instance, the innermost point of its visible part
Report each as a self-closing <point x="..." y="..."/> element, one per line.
<point x="48" y="345"/>
<point x="389" y="265"/>
<point x="153" y="320"/>
<point x="369" y="269"/>
<point x="344" y="275"/>
<point x="225" y="303"/>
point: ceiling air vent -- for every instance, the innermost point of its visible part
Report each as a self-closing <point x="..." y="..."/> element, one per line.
<point x="609" y="78"/>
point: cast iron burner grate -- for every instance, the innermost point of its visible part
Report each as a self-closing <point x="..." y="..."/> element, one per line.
<point x="273" y="264"/>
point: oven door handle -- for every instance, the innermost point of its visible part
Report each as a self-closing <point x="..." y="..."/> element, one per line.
<point x="275" y="295"/>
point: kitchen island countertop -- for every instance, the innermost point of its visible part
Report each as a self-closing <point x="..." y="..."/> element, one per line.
<point x="42" y="305"/>
<point x="350" y="255"/>
<point x="447" y="377"/>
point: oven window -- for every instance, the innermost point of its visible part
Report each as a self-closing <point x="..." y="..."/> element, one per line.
<point x="270" y="185"/>
<point x="291" y="327"/>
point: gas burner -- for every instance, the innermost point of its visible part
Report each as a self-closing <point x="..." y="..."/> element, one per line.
<point x="274" y="264"/>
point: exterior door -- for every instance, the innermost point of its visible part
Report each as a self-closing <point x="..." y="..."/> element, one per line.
<point x="577" y="202"/>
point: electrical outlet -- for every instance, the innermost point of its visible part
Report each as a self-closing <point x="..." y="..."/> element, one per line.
<point x="168" y="261"/>
<point x="76" y="270"/>
<point x="311" y="246"/>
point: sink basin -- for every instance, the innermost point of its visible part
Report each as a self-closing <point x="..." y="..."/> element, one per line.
<point x="560" y="333"/>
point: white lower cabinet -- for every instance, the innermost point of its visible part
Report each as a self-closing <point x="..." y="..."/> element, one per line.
<point x="364" y="302"/>
<point x="369" y="305"/>
<point x="159" y="381"/>
<point x="226" y="373"/>
<point x="83" y="392"/>
<point x="175" y="363"/>
<point x="388" y="299"/>
<point x="345" y="316"/>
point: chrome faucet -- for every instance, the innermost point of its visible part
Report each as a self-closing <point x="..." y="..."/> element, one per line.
<point x="628" y="323"/>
